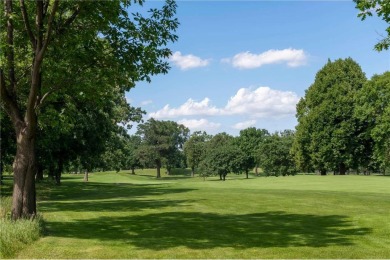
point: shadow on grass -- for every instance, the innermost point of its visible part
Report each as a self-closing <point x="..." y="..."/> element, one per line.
<point x="76" y="191"/>
<point x="208" y="230"/>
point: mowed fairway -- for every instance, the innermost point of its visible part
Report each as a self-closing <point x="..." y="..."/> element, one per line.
<point x="117" y="215"/>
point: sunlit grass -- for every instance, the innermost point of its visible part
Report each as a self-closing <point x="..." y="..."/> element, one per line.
<point x="119" y="215"/>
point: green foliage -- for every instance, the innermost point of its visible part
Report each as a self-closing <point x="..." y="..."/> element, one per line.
<point x="374" y="110"/>
<point x="160" y="141"/>
<point x="15" y="235"/>
<point x="194" y="149"/>
<point x="248" y="141"/>
<point x="382" y="9"/>
<point x="275" y="156"/>
<point x="222" y="156"/>
<point x="328" y="136"/>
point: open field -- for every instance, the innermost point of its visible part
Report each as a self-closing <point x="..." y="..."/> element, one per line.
<point x="117" y="215"/>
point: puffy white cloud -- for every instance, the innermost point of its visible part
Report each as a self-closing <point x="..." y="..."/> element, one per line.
<point x="146" y="102"/>
<point x="201" y="124"/>
<point x="245" y="124"/>
<point x="189" y="108"/>
<point x="247" y="60"/>
<point x="262" y="102"/>
<point x="185" y="62"/>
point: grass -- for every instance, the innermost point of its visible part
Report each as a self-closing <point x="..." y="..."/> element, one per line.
<point x="15" y="235"/>
<point x="118" y="215"/>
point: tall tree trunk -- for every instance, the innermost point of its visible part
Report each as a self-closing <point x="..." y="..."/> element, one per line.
<point x="158" y="164"/>
<point x="247" y="173"/>
<point x="192" y="171"/>
<point x="323" y="172"/>
<point x="59" y="170"/>
<point x="257" y="170"/>
<point x="24" y="167"/>
<point x="86" y="175"/>
<point x="132" y="171"/>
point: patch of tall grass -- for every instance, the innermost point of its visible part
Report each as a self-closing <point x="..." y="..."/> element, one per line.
<point x="14" y="235"/>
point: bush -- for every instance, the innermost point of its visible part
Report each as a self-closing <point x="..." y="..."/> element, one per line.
<point x="14" y="235"/>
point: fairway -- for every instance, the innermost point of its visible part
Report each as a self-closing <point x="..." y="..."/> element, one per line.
<point x="118" y="215"/>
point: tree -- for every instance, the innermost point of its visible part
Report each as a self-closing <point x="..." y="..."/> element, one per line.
<point x="248" y="141"/>
<point x="194" y="149"/>
<point x="327" y="131"/>
<point x="160" y="140"/>
<point x="382" y="9"/>
<point x="275" y="154"/>
<point x="373" y="109"/>
<point x="71" y="33"/>
<point x="222" y="157"/>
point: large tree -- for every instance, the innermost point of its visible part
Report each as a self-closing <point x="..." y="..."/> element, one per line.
<point x="275" y="154"/>
<point x="56" y="46"/>
<point x="222" y="156"/>
<point x="327" y="128"/>
<point x="382" y="9"/>
<point x="374" y="110"/>
<point x="248" y="141"/>
<point x="194" y="149"/>
<point x="160" y="140"/>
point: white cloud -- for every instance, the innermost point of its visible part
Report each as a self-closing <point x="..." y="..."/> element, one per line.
<point x="185" y="62"/>
<point x="201" y="124"/>
<point x="245" y="124"/>
<point x="189" y="108"/>
<point x="262" y="102"/>
<point x="146" y="102"/>
<point x="247" y="60"/>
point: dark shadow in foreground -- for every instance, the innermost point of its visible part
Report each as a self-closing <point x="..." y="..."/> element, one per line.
<point x="208" y="230"/>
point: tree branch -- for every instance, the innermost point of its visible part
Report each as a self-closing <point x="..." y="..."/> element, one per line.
<point x="10" y="104"/>
<point x="49" y="28"/>
<point x="10" y="46"/>
<point x="70" y="20"/>
<point x="27" y="24"/>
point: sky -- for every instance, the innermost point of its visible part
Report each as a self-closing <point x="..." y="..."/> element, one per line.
<point x="240" y="64"/>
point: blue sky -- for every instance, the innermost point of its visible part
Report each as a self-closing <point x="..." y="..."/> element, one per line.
<point x="247" y="63"/>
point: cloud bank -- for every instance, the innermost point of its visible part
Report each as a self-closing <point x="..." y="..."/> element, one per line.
<point x="262" y="102"/>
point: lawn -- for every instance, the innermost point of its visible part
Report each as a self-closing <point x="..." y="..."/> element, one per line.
<point x="118" y="215"/>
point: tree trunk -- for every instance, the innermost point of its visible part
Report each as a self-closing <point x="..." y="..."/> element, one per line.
<point x="158" y="164"/>
<point x="132" y="171"/>
<point x="192" y="171"/>
<point x="342" y="169"/>
<point x="59" y="170"/>
<point x="86" y="175"/>
<point x="257" y="170"/>
<point x="24" y="167"/>
<point x="323" y="172"/>
<point x="247" y="173"/>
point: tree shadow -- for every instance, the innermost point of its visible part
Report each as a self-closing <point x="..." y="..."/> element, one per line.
<point x="74" y="191"/>
<point x="209" y="230"/>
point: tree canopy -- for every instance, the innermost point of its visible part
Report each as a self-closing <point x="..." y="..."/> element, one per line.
<point x="87" y="49"/>
<point x="328" y="135"/>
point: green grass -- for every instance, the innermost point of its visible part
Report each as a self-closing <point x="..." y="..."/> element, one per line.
<point x="118" y="215"/>
<point x="15" y="235"/>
